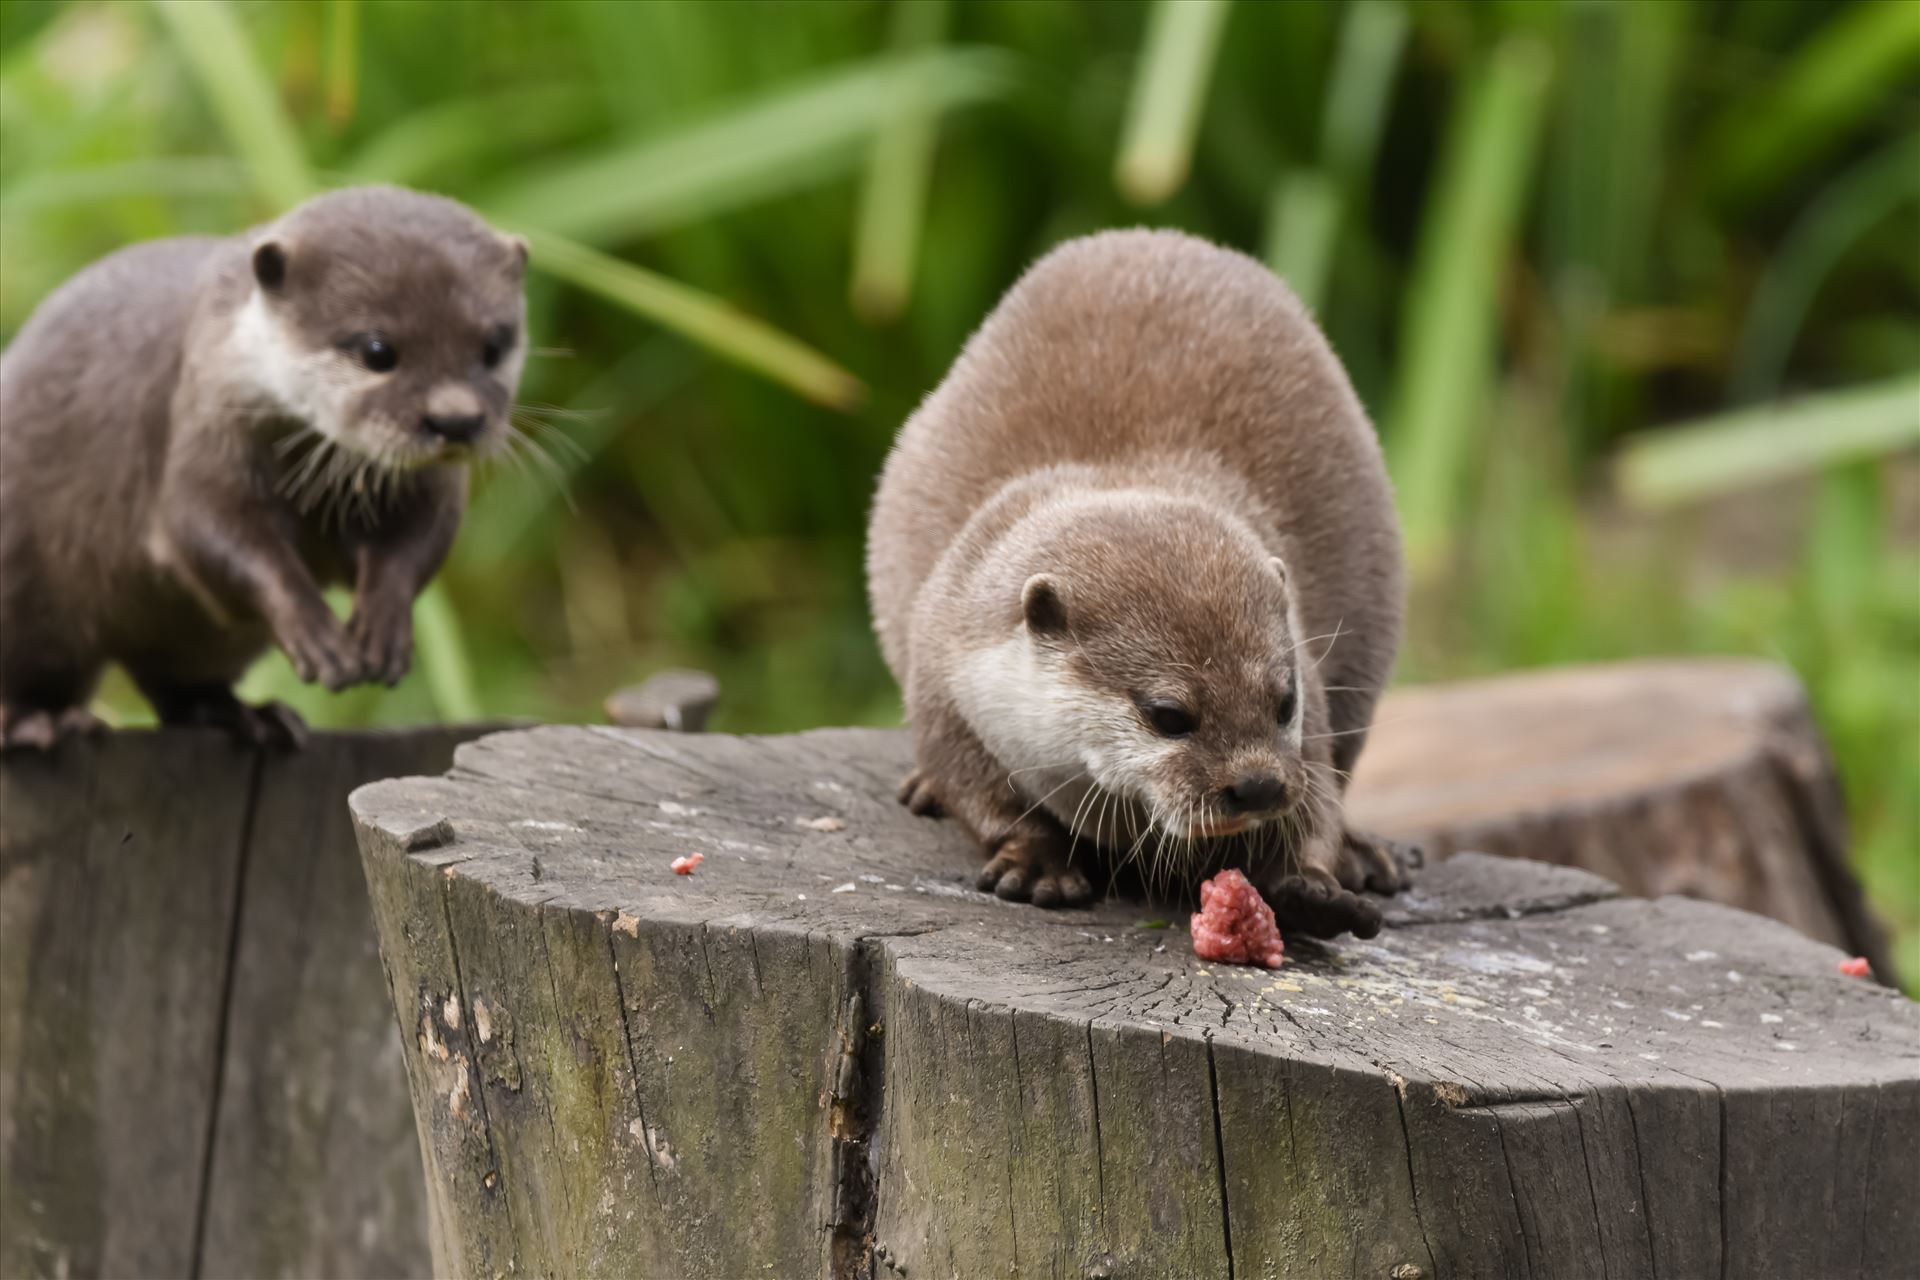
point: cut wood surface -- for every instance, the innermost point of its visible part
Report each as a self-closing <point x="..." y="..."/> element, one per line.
<point x="824" y="1054"/>
<point x="1699" y="777"/>
<point x="198" y="1068"/>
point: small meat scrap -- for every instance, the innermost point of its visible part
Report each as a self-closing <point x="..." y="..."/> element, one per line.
<point x="828" y="824"/>
<point x="684" y="865"/>
<point x="1856" y="967"/>
<point x="1234" y="924"/>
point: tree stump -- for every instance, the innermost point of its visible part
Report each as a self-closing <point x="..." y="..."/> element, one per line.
<point x="1705" y="778"/>
<point x="823" y="1053"/>
<point x="198" y="1070"/>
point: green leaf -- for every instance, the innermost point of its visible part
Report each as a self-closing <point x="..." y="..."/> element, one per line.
<point x="707" y="320"/>
<point x="893" y="200"/>
<point x="461" y="132"/>
<point x="163" y="176"/>
<point x="1371" y="38"/>
<point x="443" y="655"/>
<point x="1855" y="68"/>
<point x="1453" y="304"/>
<point x="1844" y="212"/>
<point x="1169" y="89"/>
<point x="792" y="138"/>
<point x="242" y="97"/>
<point x="343" y="60"/>
<point x="1303" y="229"/>
<point x="1739" y="450"/>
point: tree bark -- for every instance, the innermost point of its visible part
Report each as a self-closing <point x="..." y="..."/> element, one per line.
<point x="1706" y="778"/>
<point x="823" y="1053"/>
<point x="198" y="1068"/>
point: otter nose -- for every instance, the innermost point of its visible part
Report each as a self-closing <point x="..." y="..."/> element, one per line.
<point x="456" y="428"/>
<point x="1255" y="793"/>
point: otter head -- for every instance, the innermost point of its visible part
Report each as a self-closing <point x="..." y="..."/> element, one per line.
<point x="389" y="322"/>
<point x="1162" y="639"/>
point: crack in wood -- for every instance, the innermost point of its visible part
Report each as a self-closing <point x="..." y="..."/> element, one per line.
<point x="477" y="1087"/>
<point x="633" y="1062"/>
<point x="222" y="1022"/>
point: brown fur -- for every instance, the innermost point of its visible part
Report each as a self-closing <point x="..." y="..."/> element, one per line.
<point x="1146" y="421"/>
<point x="164" y="506"/>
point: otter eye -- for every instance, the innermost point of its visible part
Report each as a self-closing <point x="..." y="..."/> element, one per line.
<point x="1169" y="719"/>
<point x="375" y="352"/>
<point x="1288" y="705"/>
<point x="498" y="343"/>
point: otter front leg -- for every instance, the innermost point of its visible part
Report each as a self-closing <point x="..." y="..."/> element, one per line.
<point x="235" y="556"/>
<point x="392" y="564"/>
<point x="1027" y="851"/>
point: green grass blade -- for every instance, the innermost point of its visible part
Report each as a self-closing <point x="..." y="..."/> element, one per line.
<point x="713" y="324"/>
<point x="1169" y="89"/>
<point x="242" y="98"/>
<point x="165" y="176"/>
<point x="893" y="200"/>
<point x="1453" y="303"/>
<point x="442" y="647"/>
<point x="1842" y="555"/>
<point x="1853" y="69"/>
<point x="1303" y="229"/>
<point x="1605" y="179"/>
<point x="1844" y="212"/>
<point x="1738" y="450"/>
<point x="343" y="60"/>
<point x="1371" y="40"/>
<point x="462" y="133"/>
<point x="793" y="138"/>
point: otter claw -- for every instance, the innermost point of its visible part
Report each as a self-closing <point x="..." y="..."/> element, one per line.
<point x="1376" y="863"/>
<point x="917" y="793"/>
<point x="1017" y="877"/>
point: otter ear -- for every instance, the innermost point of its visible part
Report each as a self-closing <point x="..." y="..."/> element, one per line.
<point x="1280" y="567"/>
<point x="270" y="265"/>
<point x="517" y="246"/>
<point x="1040" y="603"/>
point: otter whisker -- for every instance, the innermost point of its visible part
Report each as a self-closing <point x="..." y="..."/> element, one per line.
<point x="552" y="435"/>
<point x="1038" y="768"/>
<point x="1042" y="800"/>
<point x="543" y="461"/>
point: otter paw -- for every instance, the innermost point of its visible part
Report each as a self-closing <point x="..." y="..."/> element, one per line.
<point x="40" y="729"/>
<point x="917" y="793"/>
<point x="1320" y="908"/>
<point x="1020" y="873"/>
<point x="271" y="724"/>
<point x="382" y="645"/>
<point x="322" y="653"/>
<point x="1376" y="863"/>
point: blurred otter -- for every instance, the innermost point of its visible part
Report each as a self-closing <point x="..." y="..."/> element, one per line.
<point x="197" y="435"/>
<point x="1136" y="567"/>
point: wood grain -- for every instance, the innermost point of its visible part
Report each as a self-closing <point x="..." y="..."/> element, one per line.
<point x="824" y="1054"/>
<point x="198" y="1068"/>
<point x="1702" y="777"/>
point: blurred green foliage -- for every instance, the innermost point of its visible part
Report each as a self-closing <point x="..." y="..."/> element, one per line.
<point x="1540" y="234"/>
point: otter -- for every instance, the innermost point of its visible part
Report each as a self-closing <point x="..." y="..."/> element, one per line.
<point x="1136" y="567"/>
<point x="197" y="435"/>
